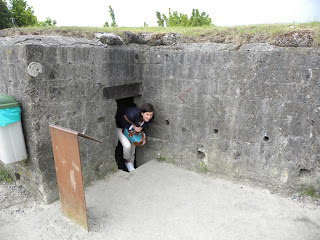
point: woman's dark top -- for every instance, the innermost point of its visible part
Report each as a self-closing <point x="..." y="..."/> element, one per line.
<point x="133" y="114"/>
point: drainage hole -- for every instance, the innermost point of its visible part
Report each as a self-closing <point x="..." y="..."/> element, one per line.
<point x="265" y="138"/>
<point x="17" y="175"/>
<point x="304" y="173"/>
<point x="201" y="154"/>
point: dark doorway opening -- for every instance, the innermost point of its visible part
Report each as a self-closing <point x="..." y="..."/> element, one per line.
<point x="122" y="105"/>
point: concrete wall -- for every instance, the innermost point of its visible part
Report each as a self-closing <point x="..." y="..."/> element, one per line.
<point x="251" y="112"/>
<point x="248" y="111"/>
<point x="60" y="81"/>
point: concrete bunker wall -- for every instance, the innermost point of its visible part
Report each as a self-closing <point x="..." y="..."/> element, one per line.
<point x="63" y="81"/>
<point x="250" y="112"/>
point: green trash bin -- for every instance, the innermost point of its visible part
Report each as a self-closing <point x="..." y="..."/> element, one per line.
<point x="12" y="145"/>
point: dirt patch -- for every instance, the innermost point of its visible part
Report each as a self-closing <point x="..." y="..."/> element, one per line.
<point x="295" y="39"/>
<point x="299" y="38"/>
<point x="46" y="32"/>
<point x="12" y="195"/>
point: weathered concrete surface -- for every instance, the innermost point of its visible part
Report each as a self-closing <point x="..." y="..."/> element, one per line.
<point x="248" y="111"/>
<point x="162" y="201"/>
<point x="60" y="81"/>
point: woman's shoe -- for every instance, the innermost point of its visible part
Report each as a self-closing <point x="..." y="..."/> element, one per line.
<point x="129" y="166"/>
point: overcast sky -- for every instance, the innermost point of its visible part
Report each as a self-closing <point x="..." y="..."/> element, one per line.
<point x="133" y="13"/>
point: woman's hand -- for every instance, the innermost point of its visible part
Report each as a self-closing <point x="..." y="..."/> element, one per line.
<point x="137" y="129"/>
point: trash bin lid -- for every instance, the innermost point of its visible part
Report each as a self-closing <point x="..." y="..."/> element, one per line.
<point x="7" y="101"/>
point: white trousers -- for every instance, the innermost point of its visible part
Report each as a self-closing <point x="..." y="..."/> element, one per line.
<point x="129" y="149"/>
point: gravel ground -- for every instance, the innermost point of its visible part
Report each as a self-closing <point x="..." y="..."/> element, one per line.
<point x="163" y="201"/>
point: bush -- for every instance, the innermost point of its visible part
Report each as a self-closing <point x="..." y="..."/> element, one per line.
<point x="176" y="19"/>
<point x="48" y="22"/>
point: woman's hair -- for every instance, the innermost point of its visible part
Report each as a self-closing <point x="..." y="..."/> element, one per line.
<point x="147" y="107"/>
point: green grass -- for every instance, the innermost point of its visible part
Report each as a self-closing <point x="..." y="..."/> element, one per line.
<point x="203" y="167"/>
<point x="4" y="176"/>
<point x="311" y="191"/>
<point x="161" y="158"/>
<point x="260" y="32"/>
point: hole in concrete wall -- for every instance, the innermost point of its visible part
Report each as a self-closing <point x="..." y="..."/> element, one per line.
<point x="215" y="131"/>
<point x="304" y="173"/>
<point x="183" y="129"/>
<point x="101" y="119"/>
<point x="122" y="104"/>
<point x="52" y="75"/>
<point x="265" y="138"/>
<point x="17" y="175"/>
<point x="201" y="153"/>
<point x="237" y="155"/>
<point x="167" y="122"/>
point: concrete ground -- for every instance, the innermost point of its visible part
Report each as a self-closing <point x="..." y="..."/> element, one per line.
<point x="162" y="201"/>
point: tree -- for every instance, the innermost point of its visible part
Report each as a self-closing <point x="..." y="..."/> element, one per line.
<point x="160" y="19"/>
<point x="5" y="15"/>
<point x="18" y="13"/>
<point x="22" y="14"/>
<point x="113" y="24"/>
<point x="165" y="19"/>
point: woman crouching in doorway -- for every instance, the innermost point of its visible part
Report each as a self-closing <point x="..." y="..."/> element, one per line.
<point x="133" y="119"/>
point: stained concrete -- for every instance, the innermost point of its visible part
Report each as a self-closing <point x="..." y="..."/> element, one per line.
<point x="61" y="81"/>
<point x="248" y="111"/>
